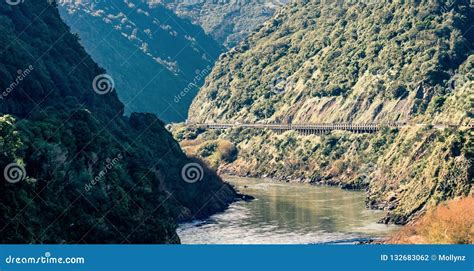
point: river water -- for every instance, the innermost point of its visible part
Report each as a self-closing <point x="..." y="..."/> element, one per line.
<point x="285" y="213"/>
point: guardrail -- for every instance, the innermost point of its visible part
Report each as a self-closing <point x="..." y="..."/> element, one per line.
<point x="305" y="128"/>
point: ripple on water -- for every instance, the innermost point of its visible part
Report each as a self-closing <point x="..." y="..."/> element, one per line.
<point x="288" y="214"/>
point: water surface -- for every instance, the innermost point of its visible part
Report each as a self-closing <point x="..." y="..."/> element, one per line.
<point x="285" y="213"/>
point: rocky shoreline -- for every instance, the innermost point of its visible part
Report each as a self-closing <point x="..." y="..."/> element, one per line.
<point x="404" y="172"/>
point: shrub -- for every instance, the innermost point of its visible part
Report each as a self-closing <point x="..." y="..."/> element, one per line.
<point x="207" y="150"/>
<point x="437" y="103"/>
<point x="451" y="222"/>
<point x="398" y="91"/>
<point x="227" y="151"/>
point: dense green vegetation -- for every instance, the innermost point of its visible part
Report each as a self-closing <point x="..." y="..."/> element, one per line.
<point x="152" y="54"/>
<point x="92" y="175"/>
<point x="359" y="62"/>
<point x="228" y="21"/>
<point x="362" y="60"/>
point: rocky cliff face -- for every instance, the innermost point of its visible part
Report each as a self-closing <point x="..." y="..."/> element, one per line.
<point x="315" y="62"/>
<point x="338" y="62"/>
<point x="74" y="168"/>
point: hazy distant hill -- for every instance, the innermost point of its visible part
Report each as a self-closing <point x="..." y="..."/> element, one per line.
<point x="228" y="21"/>
<point x="152" y="54"/>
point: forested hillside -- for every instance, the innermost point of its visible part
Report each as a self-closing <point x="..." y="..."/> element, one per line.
<point x="74" y="168"/>
<point x="158" y="60"/>
<point x="341" y="62"/>
<point x="350" y="62"/>
<point x="228" y="21"/>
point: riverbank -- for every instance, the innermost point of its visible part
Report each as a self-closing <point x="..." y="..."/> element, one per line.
<point x="405" y="172"/>
<point x="451" y="222"/>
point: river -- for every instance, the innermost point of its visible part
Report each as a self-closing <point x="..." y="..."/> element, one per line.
<point x="284" y="213"/>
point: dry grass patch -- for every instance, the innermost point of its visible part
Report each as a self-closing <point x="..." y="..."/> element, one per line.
<point x="451" y="222"/>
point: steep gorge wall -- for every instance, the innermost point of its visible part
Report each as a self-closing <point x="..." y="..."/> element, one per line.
<point x="74" y="168"/>
<point x="311" y="62"/>
<point x="407" y="61"/>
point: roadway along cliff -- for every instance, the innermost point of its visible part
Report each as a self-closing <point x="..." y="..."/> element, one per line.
<point x="378" y="62"/>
